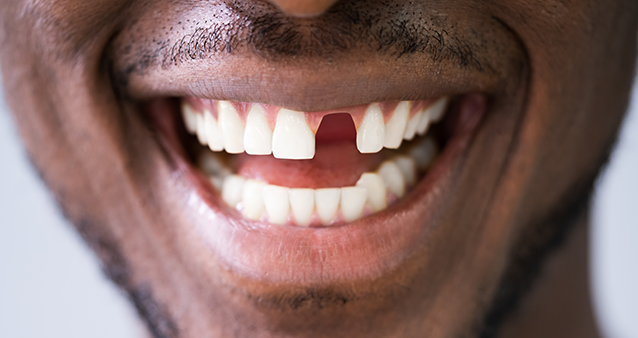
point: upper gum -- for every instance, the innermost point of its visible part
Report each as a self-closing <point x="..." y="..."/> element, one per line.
<point x="313" y="119"/>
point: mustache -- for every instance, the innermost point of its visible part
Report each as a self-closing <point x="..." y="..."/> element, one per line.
<point x="259" y="28"/>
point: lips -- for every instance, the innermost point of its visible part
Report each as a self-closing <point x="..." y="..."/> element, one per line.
<point x="244" y="196"/>
<point x="279" y="247"/>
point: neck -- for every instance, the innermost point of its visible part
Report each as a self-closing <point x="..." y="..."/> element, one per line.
<point x="560" y="304"/>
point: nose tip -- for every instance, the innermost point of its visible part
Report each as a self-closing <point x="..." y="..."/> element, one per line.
<point x="303" y="8"/>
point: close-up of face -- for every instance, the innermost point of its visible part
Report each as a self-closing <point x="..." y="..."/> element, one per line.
<point x="322" y="168"/>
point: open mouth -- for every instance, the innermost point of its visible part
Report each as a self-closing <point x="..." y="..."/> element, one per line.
<point x="312" y="169"/>
<point x="316" y="169"/>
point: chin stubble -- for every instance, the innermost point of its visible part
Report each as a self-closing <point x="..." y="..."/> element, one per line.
<point x="542" y="239"/>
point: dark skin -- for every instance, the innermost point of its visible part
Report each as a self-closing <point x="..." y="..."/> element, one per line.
<point x="78" y="75"/>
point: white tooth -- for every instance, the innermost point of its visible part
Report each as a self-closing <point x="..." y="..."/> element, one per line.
<point x="413" y="123"/>
<point x="213" y="134"/>
<point x="201" y="129"/>
<point x="302" y="202"/>
<point x="190" y="118"/>
<point x="231" y="127"/>
<point x="214" y="169"/>
<point x="438" y="109"/>
<point x="408" y="169"/>
<point x="424" y="123"/>
<point x="376" y="190"/>
<point x="277" y="203"/>
<point x="371" y="132"/>
<point x="352" y="201"/>
<point x="292" y="138"/>
<point x="253" y="199"/>
<point x="395" y="128"/>
<point x="258" y="136"/>
<point x="423" y="154"/>
<point x="327" y="201"/>
<point x="217" y="182"/>
<point x="232" y="190"/>
<point x="392" y="178"/>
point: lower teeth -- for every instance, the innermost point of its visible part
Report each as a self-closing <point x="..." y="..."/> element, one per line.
<point x="373" y="192"/>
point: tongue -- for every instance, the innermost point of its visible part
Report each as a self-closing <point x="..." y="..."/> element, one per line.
<point x="337" y="162"/>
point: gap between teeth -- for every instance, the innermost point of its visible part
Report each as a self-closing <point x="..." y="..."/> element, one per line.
<point x="373" y="192"/>
<point x="292" y="137"/>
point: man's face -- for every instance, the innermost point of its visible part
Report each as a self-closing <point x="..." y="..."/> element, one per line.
<point x="316" y="224"/>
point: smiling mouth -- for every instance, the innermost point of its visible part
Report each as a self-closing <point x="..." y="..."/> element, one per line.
<point x="282" y="172"/>
<point x="312" y="169"/>
<point x="317" y="169"/>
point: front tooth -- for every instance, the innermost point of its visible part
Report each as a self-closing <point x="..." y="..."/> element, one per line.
<point x="376" y="190"/>
<point x="253" y="199"/>
<point x="190" y="118"/>
<point x="424" y="123"/>
<point x="292" y="138"/>
<point x="232" y="190"/>
<point x="438" y="109"/>
<point x="392" y="178"/>
<point x="231" y="127"/>
<point x="302" y="202"/>
<point x="423" y="154"/>
<point x="327" y="202"/>
<point x="201" y="129"/>
<point x="408" y="168"/>
<point x="371" y="132"/>
<point x="258" y="136"/>
<point x="352" y="201"/>
<point x="413" y="123"/>
<point x="213" y="134"/>
<point x="395" y="128"/>
<point x="277" y="203"/>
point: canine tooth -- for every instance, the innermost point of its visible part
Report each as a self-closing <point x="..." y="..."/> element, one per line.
<point x="392" y="178"/>
<point x="371" y="132"/>
<point x="292" y="138"/>
<point x="253" y="199"/>
<point x="327" y="202"/>
<point x="190" y="118"/>
<point x="352" y="201"/>
<point x="302" y="202"/>
<point x="201" y="130"/>
<point x="424" y="122"/>
<point x="407" y="167"/>
<point x="423" y="154"/>
<point x="213" y="134"/>
<point x="232" y="190"/>
<point x="413" y="123"/>
<point x="438" y="109"/>
<point x="376" y="190"/>
<point x="258" y="136"/>
<point x="395" y="128"/>
<point x="231" y="127"/>
<point x="277" y="203"/>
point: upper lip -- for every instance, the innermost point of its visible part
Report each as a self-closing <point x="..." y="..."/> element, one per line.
<point x="325" y="85"/>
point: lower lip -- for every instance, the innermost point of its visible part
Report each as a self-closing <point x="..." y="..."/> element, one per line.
<point x="364" y="249"/>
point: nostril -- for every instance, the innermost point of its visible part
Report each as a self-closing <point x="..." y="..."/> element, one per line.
<point x="303" y="8"/>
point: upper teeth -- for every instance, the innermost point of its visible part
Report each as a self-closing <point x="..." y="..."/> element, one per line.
<point x="292" y="137"/>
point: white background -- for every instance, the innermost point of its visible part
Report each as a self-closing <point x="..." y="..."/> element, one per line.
<point x="51" y="286"/>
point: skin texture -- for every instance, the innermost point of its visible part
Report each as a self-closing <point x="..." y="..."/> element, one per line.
<point x="557" y="74"/>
